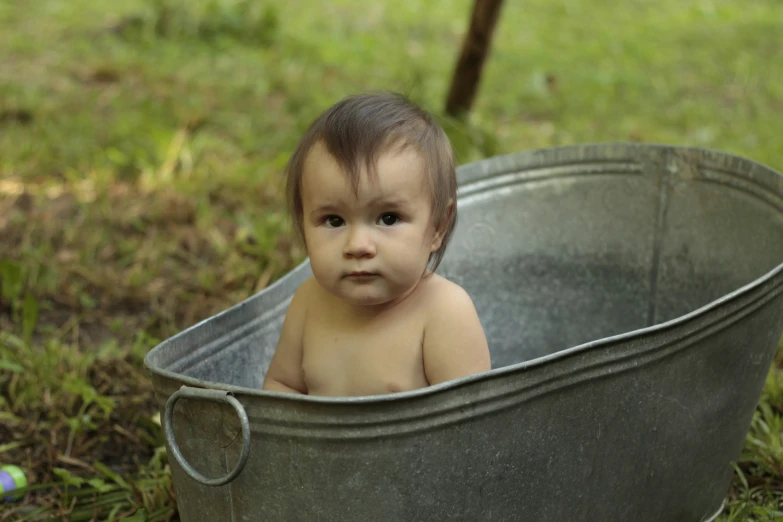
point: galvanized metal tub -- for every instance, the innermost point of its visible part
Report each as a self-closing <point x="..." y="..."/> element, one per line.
<point x="632" y="297"/>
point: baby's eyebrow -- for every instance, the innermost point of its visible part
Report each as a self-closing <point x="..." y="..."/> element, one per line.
<point x="393" y="201"/>
<point x="328" y="207"/>
<point x="379" y="201"/>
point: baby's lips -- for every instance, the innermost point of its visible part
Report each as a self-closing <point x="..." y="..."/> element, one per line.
<point x="361" y="274"/>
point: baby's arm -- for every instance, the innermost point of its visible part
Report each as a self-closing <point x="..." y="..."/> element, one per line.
<point x="285" y="369"/>
<point x="454" y="342"/>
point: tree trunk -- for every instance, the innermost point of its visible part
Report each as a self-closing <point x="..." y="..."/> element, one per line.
<point x="475" y="48"/>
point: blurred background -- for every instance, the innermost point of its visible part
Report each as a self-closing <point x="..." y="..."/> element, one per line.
<point x="142" y="144"/>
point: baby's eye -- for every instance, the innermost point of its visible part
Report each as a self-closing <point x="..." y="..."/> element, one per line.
<point x="333" y="221"/>
<point x="389" y="219"/>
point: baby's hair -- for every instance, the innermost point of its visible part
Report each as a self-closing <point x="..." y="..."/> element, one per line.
<point x="357" y="130"/>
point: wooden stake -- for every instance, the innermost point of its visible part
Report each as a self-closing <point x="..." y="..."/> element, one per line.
<point x="475" y="48"/>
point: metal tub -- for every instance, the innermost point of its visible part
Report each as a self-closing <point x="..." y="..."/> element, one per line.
<point x="632" y="299"/>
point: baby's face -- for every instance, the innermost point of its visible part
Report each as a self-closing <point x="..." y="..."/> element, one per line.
<point x="370" y="249"/>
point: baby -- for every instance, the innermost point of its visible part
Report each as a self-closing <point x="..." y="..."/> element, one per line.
<point x="371" y="190"/>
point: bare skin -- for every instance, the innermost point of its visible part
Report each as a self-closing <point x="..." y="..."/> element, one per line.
<point x="432" y="336"/>
<point x="347" y="334"/>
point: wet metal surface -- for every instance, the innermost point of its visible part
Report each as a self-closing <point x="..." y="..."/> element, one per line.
<point x="632" y="297"/>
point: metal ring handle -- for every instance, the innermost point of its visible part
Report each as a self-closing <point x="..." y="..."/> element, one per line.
<point x="209" y="395"/>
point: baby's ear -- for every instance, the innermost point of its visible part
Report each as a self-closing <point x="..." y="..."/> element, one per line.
<point x="440" y="231"/>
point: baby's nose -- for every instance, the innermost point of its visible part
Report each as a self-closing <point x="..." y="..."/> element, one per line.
<point x="359" y="244"/>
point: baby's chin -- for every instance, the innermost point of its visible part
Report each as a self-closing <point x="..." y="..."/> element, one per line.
<point x="369" y="297"/>
<point x="365" y="300"/>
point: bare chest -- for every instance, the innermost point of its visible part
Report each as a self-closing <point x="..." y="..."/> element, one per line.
<point x="344" y="357"/>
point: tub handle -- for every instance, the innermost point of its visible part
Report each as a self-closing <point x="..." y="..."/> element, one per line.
<point x="208" y="395"/>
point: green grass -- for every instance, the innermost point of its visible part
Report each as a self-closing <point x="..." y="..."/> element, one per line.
<point x="141" y="146"/>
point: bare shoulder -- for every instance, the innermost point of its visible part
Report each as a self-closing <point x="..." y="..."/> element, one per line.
<point x="285" y="368"/>
<point x="446" y="296"/>
<point x="454" y="341"/>
<point x="303" y="295"/>
<point x="306" y="298"/>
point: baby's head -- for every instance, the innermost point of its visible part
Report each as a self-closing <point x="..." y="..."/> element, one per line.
<point x="373" y="153"/>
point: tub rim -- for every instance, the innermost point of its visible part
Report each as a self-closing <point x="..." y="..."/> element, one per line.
<point x="470" y="173"/>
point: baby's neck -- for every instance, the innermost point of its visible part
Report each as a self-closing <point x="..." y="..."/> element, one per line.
<point x="370" y="312"/>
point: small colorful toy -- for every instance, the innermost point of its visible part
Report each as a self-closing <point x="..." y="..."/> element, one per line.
<point x="11" y="478"/>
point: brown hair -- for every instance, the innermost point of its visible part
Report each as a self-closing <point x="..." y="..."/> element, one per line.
<point x="357" y="130"/>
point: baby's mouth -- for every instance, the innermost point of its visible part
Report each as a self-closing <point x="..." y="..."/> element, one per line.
<point x="360" y="274"/>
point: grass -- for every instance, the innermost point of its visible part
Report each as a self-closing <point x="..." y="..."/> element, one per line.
<point x="141" y="145"/>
